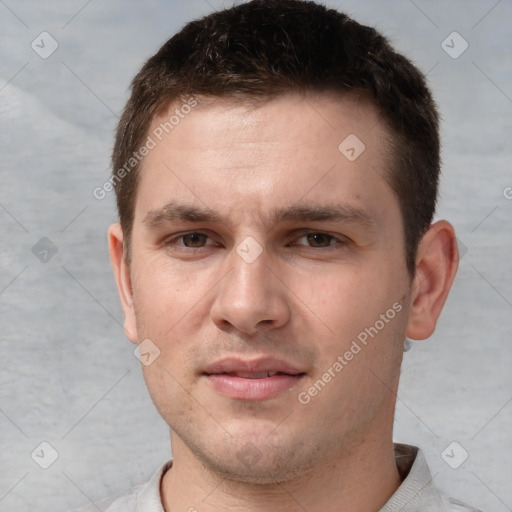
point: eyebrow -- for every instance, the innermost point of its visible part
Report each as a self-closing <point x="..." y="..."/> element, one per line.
<point x="333" y="213"/>
<point x="174" y="211"/>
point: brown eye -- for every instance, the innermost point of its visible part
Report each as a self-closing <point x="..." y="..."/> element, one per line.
<point x="319" y="239"/>
<point x="194" y="240"/>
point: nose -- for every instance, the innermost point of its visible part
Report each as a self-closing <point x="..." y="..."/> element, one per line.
<point x="250" y="299"/>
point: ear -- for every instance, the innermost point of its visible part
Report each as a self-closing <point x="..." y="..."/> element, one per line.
<point x="436" y="265"/>
<point x="123" y="279"/>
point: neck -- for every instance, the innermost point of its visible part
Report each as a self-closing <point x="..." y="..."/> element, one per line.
<point x="361" y="480"/>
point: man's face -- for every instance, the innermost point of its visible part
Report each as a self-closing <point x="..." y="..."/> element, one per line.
<point x="260" y="246"/>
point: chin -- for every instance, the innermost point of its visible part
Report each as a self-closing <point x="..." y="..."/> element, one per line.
<point x="266" y="471"/>
<point x="260" y="462"/>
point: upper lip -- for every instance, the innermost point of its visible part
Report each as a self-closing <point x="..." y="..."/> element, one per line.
<point x="261" y="364"/>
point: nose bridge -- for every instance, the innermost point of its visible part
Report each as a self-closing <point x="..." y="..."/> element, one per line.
<point x="250" y="296"/>
<point x="248" y="283"/>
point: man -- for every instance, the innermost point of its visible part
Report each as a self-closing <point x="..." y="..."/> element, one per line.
<point x="276" y="172"/>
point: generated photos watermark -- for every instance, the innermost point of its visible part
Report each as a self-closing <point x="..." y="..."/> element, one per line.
<point x="356" y="347"/>
<point x="151" y="142"/>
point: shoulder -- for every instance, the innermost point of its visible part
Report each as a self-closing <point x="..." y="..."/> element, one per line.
<point x="457" y="505"/>
<point x="126" y="502"/>
<point x="142" y="498"/>
<point x="434" y="500"/>
<point x="418" y="492"/>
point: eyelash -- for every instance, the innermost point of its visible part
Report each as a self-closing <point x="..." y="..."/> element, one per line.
<point x="338" y="240"/>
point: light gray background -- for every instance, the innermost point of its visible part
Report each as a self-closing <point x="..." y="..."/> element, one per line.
<point x="69" y="376"/>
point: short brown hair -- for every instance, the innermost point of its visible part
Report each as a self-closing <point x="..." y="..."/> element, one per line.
<point x="265" y="48"/>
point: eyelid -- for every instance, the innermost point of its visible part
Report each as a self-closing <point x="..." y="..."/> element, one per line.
<point x="338" y="239"/>
<point x="211" y="241"/>
<point x="175" y="237"/>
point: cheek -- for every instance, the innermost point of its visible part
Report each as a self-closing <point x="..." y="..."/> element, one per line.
<point x="169" y="393"/>
<point x="348" y="297"/>
<point x="165" y="294"/>
<point x="170" y="306"/>
<point x="359" y="304"/>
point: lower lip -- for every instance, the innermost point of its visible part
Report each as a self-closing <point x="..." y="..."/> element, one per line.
<point x="252" y="389"/>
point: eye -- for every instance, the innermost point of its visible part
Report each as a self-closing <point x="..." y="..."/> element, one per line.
<point x="191" y="245"/>
<point x="318" y="240"/>
<point x="193" y="240"/>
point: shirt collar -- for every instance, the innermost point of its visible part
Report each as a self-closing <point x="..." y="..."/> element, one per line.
<point x="149" y="499"/>
<point x="416" y="476"/>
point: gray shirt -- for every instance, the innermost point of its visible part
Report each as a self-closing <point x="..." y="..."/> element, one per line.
<point x="416" y="494"/>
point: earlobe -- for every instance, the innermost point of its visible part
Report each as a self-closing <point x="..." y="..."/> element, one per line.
<point x="123" y="279"/>
<point x="436" y="265"/>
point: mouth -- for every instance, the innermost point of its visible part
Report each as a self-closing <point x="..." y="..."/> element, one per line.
<point x="259" y="375"/>
<point x="259" y="379"/>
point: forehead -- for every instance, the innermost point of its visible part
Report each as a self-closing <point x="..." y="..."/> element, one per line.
<point x="308" y="119"/>
<point x="242" y="156"/>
